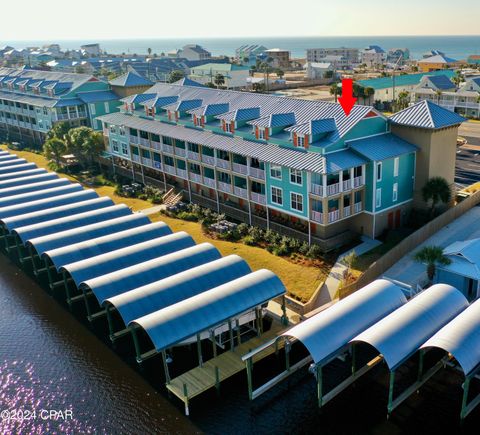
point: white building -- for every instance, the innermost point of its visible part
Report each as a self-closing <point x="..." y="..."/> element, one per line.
<point x="351" y="55"/>
<point x="319" y="70"/>
<point x="373" y="56"/>
<point x="235" y="76"/>
<point x="92" y="50"/>
<point x="193" y="52"/>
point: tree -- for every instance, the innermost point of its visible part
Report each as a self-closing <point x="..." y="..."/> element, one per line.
<point x="79" y="69"/>
<point x="335" y="90"/>
<point x="53" y="149"/>
<point x="431" y="256"/>
<point x="350" y="260"/>
<point x="246" y="59"/>
<point x="457" y="78"/>
<point x="279" y="73"/>
<point x="436" y="190"/>
<point x="175" y="76"/>
<point x="258" y="87"/>
<point x="403" y="100"/>
<point x="85" y="143"/>
<point x="219" y="80"/>
<point x="59" y="130"/>
<point x="149" y="51"/>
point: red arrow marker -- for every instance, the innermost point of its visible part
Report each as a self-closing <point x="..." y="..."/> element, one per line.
<point x="347" y="100"/>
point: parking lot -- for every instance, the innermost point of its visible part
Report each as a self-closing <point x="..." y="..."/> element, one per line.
<point x="468" y="156"/>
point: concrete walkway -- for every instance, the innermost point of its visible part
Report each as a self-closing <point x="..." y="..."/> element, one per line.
<point x="464" y="228"/>
<point x="153" y="210"/>
<point x="332" y="283"/>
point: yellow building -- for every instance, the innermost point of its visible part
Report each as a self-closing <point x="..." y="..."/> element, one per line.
<point x="437" y="62"/>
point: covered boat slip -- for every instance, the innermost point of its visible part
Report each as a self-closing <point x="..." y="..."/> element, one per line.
<point x="24" y="173"/>
<point x="17" y="167"/>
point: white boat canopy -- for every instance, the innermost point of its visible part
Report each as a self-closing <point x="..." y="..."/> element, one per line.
<point x="40" y="194"/>
<point x="401" y="333"/>
<point x="12" y="162"/>
<point x="21" y="181"/>
<point x="26" y="172"/>
<point x="34" y="187"/>
<point x="19" y="167"/>
<point x="327" y="332"/>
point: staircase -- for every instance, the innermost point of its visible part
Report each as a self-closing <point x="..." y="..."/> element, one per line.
<point x="172" y="198"/>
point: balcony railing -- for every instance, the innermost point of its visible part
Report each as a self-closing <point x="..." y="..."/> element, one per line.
<point x="225" y="164"/>
<point x="169" y="169"/>
<point x="333" y="189"/>
<point x="180" y="152"/>
<point x="316" y="189"/>
<point x="195" y="177"/>
<point x="347" y="185"/>
<point x="357" y="207"/>
<point x="136" y="158"/>
<point x="167" y="148"/>
<point x="209" y="160"/>
<point x="241" y="169"/>
<point x="317" y="216"/>
<point x="224" y="187"/>
<point x="333" y="216"/>
<point x="241" y="192"/>
<point x="347" y="211"/>
<point x="157" y="146"/>
<point x="133" y="139"/>
<point x="257" y="173"/>
<point x="357" y="181"/>
<point x="182" y="173"/>
<point x="210" y="182"/>
<point x="147" y="162"/>
<point x="193" y="156"/>
<point x="144" y="142"/>
<point x="258" y="198"/>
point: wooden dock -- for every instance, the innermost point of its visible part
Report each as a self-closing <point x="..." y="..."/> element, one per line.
<point x="214" y="371"/>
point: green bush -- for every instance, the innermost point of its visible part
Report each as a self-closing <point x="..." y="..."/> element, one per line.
<point x="256" y="234"/>
<point x="243" y="229"/>
<point x="304" y="248"/>
<point x="280" y="250"/>
<point x="187" y="216"/>
<point x="314" y="252"/>
<point x="249" y="240"/>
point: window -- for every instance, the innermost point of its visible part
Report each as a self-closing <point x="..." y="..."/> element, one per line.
<point x="124" y="149"/>
<point x="121" y="129"/>
<point x="277" y="196"/>
<point x="396" y="164"/>
<point x="228" y="127"/>
<point x="296" y="201"/>
<point x="379" y="171"/>
<point x="276" y="172"/>
<point x="395" y="192"/>
<point x="378" y="198"/>
<point x="45" y="111"/>
<point x="115" y="146"/>
<point x="92" y="109"/>
<point x="296" y="177"/>
<point x="300" y="142"/>
<point x="261" y="133"/>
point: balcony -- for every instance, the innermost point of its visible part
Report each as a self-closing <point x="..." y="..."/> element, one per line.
<point x="157" y="165"/>
<point x="210" y="182"/>
<point x="357" y="207"/>
<point x="167" y="148"/>
<point x="136" y="158"/>
<point x="357" y="182"/>
<point x="209" y="160"/>
<point x="241" y="192"/>
<point x="333" y="216"/>
<point x="134" y="139"/>
<point x="347" y="185"/>
<point x="333" y="189"/>
<point x="224" y="187"/>
<point x="258" y="198"/>
<point x="316" y="189"/>
<point x="193" y="156"/>
<point x="239" y="168"/>
<point x="197" y="178"/>
<point x="169" y="169"/>
<point x="182" y="173"/>
<point x="317" y="216"/>
<point x="257" y="173"/>
<point x="147" y="162"/>
<point x="347" y="211"/>
<point x="144" y="142"/>
<point x="180" y="152"/>
<point x="224" y="164"/>
<point x="156" y="146"/>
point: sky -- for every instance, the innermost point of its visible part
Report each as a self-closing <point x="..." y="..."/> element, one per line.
<point x="122" y="19"/>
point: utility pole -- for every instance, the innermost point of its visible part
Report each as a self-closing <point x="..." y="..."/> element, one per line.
<point x="393" y="75"/>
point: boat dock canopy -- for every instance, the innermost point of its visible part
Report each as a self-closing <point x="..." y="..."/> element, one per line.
<point x="461" y="338"/>
<point x="329" y="331"/>
<point x="17" y="167"/>
<point x="402" y="332"/>
<point x="206" y="310"/>
<point x="41" y="194"/>
<point x="33" y="187"/>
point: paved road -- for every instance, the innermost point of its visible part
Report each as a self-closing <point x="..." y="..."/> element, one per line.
<point x="468" y="157"/>
<point x="470" y="131"/>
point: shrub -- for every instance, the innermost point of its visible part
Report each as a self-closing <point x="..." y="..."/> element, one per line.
<point x="249" y="240"/>
<point x="187" y="216"/>
<point x="256" y="234"/>
<point x="304" y="248"/>
<point x="314" y="252"/>
<point x="280" y="250"/>
<point x="272" y="237"/>
<point x="243" y="229"/>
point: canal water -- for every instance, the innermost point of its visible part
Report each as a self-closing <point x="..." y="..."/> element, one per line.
<point x="53" y="363"/>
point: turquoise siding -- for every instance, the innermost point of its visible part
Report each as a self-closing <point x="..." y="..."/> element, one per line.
<point x="122" y="142"/>
<point x="287" y="187"/>
<point x="99" y="110"/>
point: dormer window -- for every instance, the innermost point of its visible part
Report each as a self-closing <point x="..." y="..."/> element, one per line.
<point x="22" y="88"/>
<point x="261" y="133"/>
<point x="150" y="111"/>
<point x="229" y="127"/>
<point x="199" y="121"/>
<point x="36" y="91"/>
<point x="300" y="141"/>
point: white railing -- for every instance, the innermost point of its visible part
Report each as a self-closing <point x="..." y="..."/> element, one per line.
<point x="317" y="216"/>
<point x="169" y="169"/>
<point x="241" y="169"/>
<point x="257" y="173"/>
<point x="133" y="139"/>
<point x="316" y="189"/>
<point x="209" y="160"/>
<point x="210" y="182"/>
<point x="195" y="177"/>
<point x="225" y="164"/>
<point x="157" y="146"/>
<point x="333" y="189"/>
<point x="258" y="198"/>
<point x="224" y="187"/>
<point x="347" y="185"/>
<point x="157" y="165"/>
<point x="61" y="116"/>
<point x="240" y="191"/>
<point x="333" y="216"/>
<point x="357" y="181"/>
<point x="182" y="173"/>
<point x="180" y="152"/>
<point x="357" y="207"/>
<point x="167" y="148"/>
<point x="136" y="158"/>
<point x="347" y="211"/>
<point x="147" y="162"/>
<point x="193" y="156"/>
<point x="144" y="142"/>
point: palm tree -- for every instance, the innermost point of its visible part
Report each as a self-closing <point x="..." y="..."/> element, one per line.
<point x="175" y="76"/>
<point x="350" y="260"/>
<point x="59" y="130"/>
<point x="431" y="256"/>
<point x="149" y="51"/>
<point x="403" y="100"/>
<point x="438" y="94"/>
<point x="219" y="80"/>
<point x="53" y="149"/>
<point x="436" y="190"/>
<point x="335" y="90"/>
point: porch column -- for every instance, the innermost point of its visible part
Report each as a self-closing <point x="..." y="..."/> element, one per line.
<point x="352" y="176"/>
<point x="363" y="173"/>
<point x="340" y="181"/>
<point x="324" y="184"/>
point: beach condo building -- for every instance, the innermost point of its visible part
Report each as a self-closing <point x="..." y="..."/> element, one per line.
<point x="250" y="52"/>
<point x="437" y="62"/>
<point x="432" y="88"/>
<point x="92" y="50"/>
<point x="279" y="58"/>
<point x="32" y="101"/>
<point x="299" y="167"/>
<point x="193" y="52"/>
<point x="373" y="56"/>
<point x="235" y="76"/>
<point x="351" y="55"/>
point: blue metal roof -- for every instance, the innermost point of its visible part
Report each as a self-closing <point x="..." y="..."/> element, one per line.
<point x="426" y="114"/>
<point x="68" y="102"/>
<point x="68" y="246"/>
<point x="402" y="79"/>
<point x="8" y="157"/>
<point x="130" y="79"/>
<point x="40" y="194"/>
<point x="159" y="101"/>
<point x="11" y="162"/>
<point x="168" y="291"/>
<point x="211" y="308"/>
<point x="17" y="167"/>
<point x="210" y="109"/>
<point x="442" y="82"/>
<point x="17" y="182"/>
<point x="315" y="126"/>
<point x="275" y="120"/>
<point x="97" y="96"/>
<point x="340" y="160"/>
<point x="187" y="82"/>
<point x="150" y="271"/>
<point x="100" y="242"/>
<point x="244" y="114"/>
<point x="25" y="188"/>
<point x="184" y="105"/>
<point x="138" y="98"/>
<point x="77" y="205"/>
<point x="25" y="173"/>
<point x="381" y="147"/>
<point x="120" y="258"/>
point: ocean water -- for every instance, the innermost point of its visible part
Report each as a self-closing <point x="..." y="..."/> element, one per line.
<point x="458" y="47"/>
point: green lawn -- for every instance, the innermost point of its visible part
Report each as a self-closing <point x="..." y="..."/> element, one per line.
<point x="301" y="280"/>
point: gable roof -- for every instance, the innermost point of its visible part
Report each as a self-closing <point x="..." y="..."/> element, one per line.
<point x="130" y="79"/>
<point x="441" y="82"/>
<point x="438" y="58"/>
<point x="381" y="147"/>
<point x="426" y="114"/>
<point x="187" y="82"/>
<point x="402" y="80"/>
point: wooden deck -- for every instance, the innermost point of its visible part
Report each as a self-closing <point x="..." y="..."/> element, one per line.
<point x="214" y="371"/>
